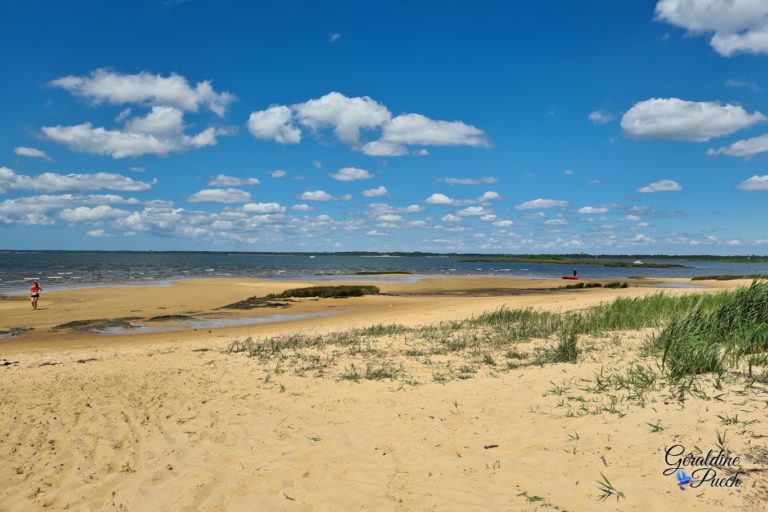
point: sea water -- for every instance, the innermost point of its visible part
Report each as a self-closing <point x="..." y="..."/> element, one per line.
<point x="76" y="269"/>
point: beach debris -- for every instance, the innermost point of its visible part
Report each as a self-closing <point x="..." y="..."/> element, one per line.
<point x="7" y="362"/>
<point x="489" y="446"/>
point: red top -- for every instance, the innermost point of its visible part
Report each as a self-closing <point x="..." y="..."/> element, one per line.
<point x="35" y="288"/>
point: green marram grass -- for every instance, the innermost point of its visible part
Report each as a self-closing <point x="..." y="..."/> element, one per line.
<point x="697" y="333"/>
<point x="717" y="334"/>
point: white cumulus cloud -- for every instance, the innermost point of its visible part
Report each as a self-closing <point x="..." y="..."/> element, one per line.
<point x="537" y="204"/>
<point x="418" y="129"/>
<point x="316" y="195"/>
<point x="485" y="180"/>
<point x="754" y="183"/>
<point x="145" y="89"/>
<point x="661" y="186"/>
<point x="160" y="132"/>
<point x="222" y="180"/>
<point x="489" y="196"/>
<point x="263" y="208"/>
<point x="738" y="26"/>
<point x="381" y="148"/>
<point x="351" y="174"/>
<point x="389" y="217"/>
<point x="745" y="148"/>
<point x="349" y="117"/>
<point x="274" y="123"/>
<point x="31" y="152"/>
<point x="591" y="210"/>
<point x="690" y="121"/>
<point x="379" y="191"/>
<point x="601" y="117"/>
<point x="220" y="195"/>
<point x="439" y="199"/>
<point x="95" y="214"/>
<point x="98" y="233"/>
<point x="53" y="182"/>
<point x="472" y="211"/>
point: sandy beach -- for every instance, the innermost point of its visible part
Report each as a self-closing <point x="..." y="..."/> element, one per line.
<point x="402" y="256"/>
<point x="180" y="419"/>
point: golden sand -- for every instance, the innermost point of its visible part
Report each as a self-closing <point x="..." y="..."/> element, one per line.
<point x="170" y="421"/>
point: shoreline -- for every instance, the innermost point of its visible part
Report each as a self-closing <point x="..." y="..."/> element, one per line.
<point x="427" y="300"/>
<point x="369" y="278"/>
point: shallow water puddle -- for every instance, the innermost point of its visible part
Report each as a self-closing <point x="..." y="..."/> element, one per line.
<point x="206" y="323"/>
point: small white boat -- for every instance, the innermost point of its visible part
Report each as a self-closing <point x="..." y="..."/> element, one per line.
<point x="637" y="262"/>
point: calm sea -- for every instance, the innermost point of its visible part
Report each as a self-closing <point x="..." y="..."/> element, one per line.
<point x="64" y="269"/>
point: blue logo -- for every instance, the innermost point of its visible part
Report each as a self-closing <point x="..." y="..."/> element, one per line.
<point x="682" y="479"/>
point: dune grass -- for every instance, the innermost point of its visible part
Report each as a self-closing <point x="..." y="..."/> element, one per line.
<point x="696" y="333"/>
<point x="566" y="350"/>
<point x="624" y="313"/>
<point x="716" y="335"/>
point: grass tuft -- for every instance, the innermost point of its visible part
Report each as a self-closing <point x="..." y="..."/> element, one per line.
<point x="717" y="333"/>
<point x="607" y="489"/>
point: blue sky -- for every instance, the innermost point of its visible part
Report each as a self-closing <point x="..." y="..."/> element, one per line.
<point x="452" y="126"/>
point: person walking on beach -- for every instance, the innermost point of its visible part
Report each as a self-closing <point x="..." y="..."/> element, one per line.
<point x="34" y="293"/>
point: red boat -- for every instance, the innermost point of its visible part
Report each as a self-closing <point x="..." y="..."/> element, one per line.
<point x="569" y="277"/>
